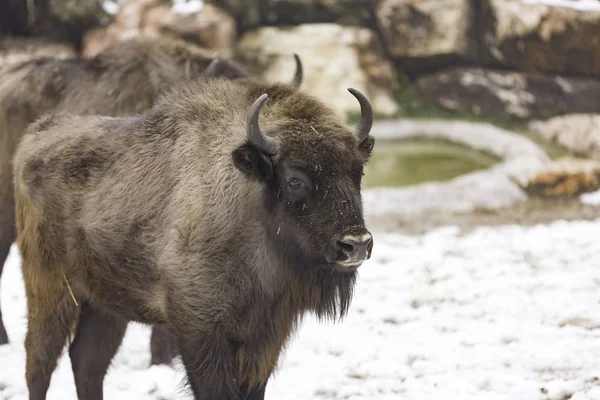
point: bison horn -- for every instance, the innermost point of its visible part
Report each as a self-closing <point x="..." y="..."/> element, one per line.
<point x="211" y="70"/>
<point x="256" y="138"/>
<point x="297" y="81"/>
<point x="366" y="115"/>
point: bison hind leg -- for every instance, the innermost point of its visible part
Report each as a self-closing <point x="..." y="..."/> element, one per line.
<point x="49" y="325"/>
<point x="96" y="341"/>
<point x="162" y="346"/>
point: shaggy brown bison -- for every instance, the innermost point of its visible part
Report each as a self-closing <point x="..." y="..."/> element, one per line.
<point x="125" y="79"/>
<point x="194" y="215"/>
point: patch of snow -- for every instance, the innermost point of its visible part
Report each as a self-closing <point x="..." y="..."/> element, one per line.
<point x="187" y="6"/>
<point x="580" y="5"/>
<point x="179" y="6"/>
<point x="592" y="199"/>
<point x="111" y="7"/>
<point x="479" y="190"/>
<point x="496" y="314"/>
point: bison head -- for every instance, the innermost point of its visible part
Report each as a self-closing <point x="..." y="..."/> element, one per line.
<point x="311" y="167"/>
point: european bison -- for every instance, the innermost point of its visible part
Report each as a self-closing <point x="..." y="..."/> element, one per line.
<point x="123" y="80"/>
<point x="195" y="216"/>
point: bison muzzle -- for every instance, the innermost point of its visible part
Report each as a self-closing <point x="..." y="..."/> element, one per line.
<point x="226" y="212"/>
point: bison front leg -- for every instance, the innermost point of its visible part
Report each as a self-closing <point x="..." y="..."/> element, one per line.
<point x="256" y="394"/>
<point x="209" y="364"/>
<point x="162" y="346"/>
<point x="97" y="339"/>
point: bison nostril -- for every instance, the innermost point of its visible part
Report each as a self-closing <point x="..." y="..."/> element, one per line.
<point x="346" y="247"/>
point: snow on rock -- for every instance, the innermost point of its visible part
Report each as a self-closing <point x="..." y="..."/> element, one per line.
<point x="496" y="314"/>
<point x="179" y="6"/>
<point x="111" y="7"/>
<point x="190" y="20"/>
<point x="580" y="5"/>
<point x="534" y="36"/>
<point x="511" y="94"/>
<point x="592" y="199"/>
<point x="187" y="6"/>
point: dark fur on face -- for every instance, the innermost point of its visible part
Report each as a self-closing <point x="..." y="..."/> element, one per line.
<point x="311" y="192"/>
<point x="175" y="216"/>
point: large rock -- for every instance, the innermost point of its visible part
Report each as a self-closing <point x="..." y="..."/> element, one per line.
<point x="425" y="28"/>
<point x="534" y="36"/>
<point x="518" y="95"/>
<point x="255" y="13"/>
<point x="13" y="17"/>
<point x="566" y="177"/>
<point x="64" y="19"/>
<point x="334" y="58"/>
<point x="60" y="20"/>
<point x="69" y="10"/>
<point x="205" y="25"/>
<point x="19" y="49"/>
<point x="579" y="133"/>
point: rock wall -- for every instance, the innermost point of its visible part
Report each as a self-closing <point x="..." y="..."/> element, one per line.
<point x="519" y="95"/>
<point x="62" y="20"/>
<point x="532" y="36"/>
<point x="426" y="32"/>
<point x="526" y="60"/>
<point x="208" y="26"/>
<point x="580" y="133"/>
<point x="251" y="14"/>
<point x="342" y="57"/>
<point x="515" y="59"/>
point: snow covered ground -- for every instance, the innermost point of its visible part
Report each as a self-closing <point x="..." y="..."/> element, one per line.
<point x="499" y="313"/>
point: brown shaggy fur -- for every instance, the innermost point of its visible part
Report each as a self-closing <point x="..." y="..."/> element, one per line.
<point x="123" y="80"/>
<point x="173" y="217"/>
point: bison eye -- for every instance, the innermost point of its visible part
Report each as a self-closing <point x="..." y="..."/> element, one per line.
<point x="295" y="183"/>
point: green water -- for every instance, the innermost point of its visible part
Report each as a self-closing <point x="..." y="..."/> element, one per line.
<point x="404" y="162"/>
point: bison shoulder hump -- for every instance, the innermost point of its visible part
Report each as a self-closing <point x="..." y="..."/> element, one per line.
<point x="47" y="121"/>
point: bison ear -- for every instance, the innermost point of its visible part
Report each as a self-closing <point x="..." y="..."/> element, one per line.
<point x="367" y="145"/>
<point x="253" y="163"/>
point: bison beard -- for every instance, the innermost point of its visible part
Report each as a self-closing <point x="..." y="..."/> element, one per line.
<point x="191" y="216"/>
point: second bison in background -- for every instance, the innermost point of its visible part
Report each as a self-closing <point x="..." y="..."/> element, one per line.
<point x="193" y="215"/>
<point x="124" y="79"/>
